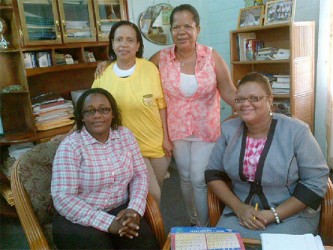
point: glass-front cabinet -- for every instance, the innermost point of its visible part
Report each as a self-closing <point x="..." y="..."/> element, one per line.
<point x="107" y="13"/>
<point x="77" y="21"/>
<point x="68" y="21"/>
<point x="39" y="21"/>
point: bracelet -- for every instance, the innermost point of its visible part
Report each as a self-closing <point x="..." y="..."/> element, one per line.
<point x="277" y="219"/>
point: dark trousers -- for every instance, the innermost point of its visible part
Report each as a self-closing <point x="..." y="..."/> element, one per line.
<point x="67" y="235"/>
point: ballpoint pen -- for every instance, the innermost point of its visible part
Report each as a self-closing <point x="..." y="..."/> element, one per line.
<point x="255" y="208"/>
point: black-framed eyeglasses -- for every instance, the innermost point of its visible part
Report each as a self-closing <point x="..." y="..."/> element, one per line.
<point x="250" y="99"/>
<point x="90" y="112"/>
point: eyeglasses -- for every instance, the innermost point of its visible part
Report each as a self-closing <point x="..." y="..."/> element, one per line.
<point x="91" y="112"/>
<point x="250" y="99"/>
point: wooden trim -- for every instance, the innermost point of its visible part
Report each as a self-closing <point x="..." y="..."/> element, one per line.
<point x="154" y="217"/>
<point x="30" y="224"/>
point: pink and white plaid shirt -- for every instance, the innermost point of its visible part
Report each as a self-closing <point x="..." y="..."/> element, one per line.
<point x="90" y="178"/>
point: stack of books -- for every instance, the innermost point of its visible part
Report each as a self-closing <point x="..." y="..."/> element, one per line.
<point x="89" y="56"/>
<point x="266" y="53"/>
<point x="61" y="59"/>
<point x="193" y="238"/>
<point x="281" y="85"/>
<point x="52" y="111"/>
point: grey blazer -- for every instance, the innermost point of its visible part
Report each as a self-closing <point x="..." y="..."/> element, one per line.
<point x="291" y="164"/>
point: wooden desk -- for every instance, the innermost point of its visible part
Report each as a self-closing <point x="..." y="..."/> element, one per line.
<point x="247" y="242"/>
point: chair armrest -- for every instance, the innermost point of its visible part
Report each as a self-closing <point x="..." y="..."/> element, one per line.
<point x="326" y="217"/>
<point x="215" y="208"/>
<point x="154" y="216"/>
<point x="30" y="224"/>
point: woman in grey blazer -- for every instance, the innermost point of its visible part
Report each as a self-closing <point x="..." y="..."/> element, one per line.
<point x="273" y="162"/>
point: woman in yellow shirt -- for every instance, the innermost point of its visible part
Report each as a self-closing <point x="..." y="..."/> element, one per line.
<point x="135" y="84"/>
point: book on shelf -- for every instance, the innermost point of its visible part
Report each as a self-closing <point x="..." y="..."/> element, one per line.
<point x="37" y="59"/>
<point x="281" y="54"/>
<point x="281" y="85"/>
<point x="282" y="78"/>
<point x="252" y="46"/>
<point x="89" y="56"/>
<point x="242" y="37"/>
<point x="193" y="238"/>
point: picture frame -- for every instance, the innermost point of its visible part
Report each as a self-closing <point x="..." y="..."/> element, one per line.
<point x="250" y="17"/>
<point x="279" y="11"/>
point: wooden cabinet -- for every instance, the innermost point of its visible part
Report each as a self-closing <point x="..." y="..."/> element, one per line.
<point x="49" y="26"/>
<point x="106" y="14"/>
<point x="299" y="38"/>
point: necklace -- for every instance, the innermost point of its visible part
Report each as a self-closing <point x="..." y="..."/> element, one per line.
<point x="187" y="60"/>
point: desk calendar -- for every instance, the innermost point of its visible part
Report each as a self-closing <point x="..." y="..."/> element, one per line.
<point x="192" y="238"/>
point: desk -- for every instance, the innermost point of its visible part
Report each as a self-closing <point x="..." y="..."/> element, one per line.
<point x="247" y="242"/>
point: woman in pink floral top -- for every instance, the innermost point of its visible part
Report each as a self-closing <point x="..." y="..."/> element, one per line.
<point x="193" y="77"/>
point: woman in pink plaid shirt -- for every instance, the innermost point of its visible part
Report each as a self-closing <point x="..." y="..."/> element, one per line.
<point x="100" y="182"/>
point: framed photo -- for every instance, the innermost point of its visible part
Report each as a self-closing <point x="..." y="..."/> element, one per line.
<point x="279" y="11"/>
<point x="250" y="17"/>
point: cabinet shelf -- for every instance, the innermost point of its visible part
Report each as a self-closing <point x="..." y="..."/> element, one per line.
<point x="261" y="62"/>
<point x="16" y="138"/>
<point x="10" y="50"/>
<point x="6" y="7"/>
<point x="57" y="68"/>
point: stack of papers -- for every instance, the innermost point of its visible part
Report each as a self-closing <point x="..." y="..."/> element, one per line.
<point x="291" y="242"/>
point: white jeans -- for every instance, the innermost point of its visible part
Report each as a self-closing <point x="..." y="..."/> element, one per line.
<point x="192" y="159"/>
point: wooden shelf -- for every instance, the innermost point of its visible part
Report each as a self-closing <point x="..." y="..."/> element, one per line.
<point x="33" y="137"/>
<point x="261" y="62"/>
<point x="6" y="7"/>
<point x="39" y="71"/>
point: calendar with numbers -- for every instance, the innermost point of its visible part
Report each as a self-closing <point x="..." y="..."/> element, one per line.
<point x="192" y="238"/>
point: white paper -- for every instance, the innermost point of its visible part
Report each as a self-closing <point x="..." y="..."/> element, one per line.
<point x="290" y="242"/>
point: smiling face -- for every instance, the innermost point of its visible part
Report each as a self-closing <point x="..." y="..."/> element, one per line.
<point x="184" y="29"/>
<point x="125" y="43"/>
<point x="97" y="124"/>
<point x="253" y="112"/>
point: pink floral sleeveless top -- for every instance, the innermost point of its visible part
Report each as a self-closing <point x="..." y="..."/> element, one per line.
<point x="198" y="114"/>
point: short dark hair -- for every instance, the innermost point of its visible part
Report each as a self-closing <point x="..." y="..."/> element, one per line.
<point x="188" y="7"/>
<point x="116" y="120"/>
<point x="258" y="78"/>
<point x="112" y="54"/>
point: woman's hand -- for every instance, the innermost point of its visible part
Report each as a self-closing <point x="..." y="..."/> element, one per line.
<point x="167" y="147"/>
<point x="127" y="223"/>
<point x="250" y="218"/>
<point x="101" y="67"/>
